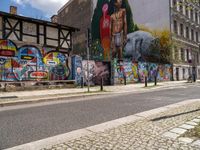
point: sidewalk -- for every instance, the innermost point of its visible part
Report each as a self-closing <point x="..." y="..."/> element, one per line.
<point x="157" y="129"/>
<point x="21" y="97"/>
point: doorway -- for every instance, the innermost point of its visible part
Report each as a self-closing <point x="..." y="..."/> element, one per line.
<point x="177" y="74"/>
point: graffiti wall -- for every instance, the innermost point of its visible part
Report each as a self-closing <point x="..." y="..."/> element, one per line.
<point x="77" y="69"/>
<point x="120" y="39"/>
<point x="127" y="69"/>
<point x="31" y="63"/>
<point x="97" y="70"/>
<point x="136" y="72"/>
<point x="109" y="34"/>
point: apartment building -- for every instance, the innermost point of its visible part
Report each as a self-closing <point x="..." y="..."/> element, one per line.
<point x="182" y="19"/>
<point x="185" y="26"/>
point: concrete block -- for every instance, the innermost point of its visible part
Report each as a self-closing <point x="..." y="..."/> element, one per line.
<point x="171" y="135"/>
<point x="186" y="126"/>
<point x="178" y="131"/>
<point x="186" y="140"/>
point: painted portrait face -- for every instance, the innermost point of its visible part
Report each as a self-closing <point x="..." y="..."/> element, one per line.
<point x="105" y="8"/>
<point x="118" y="3"/>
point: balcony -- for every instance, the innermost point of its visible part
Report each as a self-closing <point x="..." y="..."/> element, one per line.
<point x="185" y="18"/>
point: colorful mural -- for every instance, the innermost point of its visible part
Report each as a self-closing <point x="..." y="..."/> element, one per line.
<point x="126" y="69"/>
<point x="153" y="71"/>
<point x="105" y="31"/>
<point x="57" y="64"/>
<point x="30" y="63"/>
<point x="77" y="69"/>
<point x="97" y="70"/>
<point x="136" y="72"/>
<point x="111" y="22"/>
<point x="114" y="31"/>
<point x="8" y="48"/>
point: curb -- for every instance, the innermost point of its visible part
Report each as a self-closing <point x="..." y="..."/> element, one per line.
<point x="49" y="142"/>
<point x="51" y="98"/>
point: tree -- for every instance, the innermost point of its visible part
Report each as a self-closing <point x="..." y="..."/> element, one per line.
<point x="164" y="45"/>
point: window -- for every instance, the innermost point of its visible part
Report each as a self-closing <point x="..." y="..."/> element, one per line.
<point x="187" y="55"/>
<point x="181" y="30"/>
<point x="174" y="3"/>
<point x="187" y="33"/>
<point x="192" y="34"/>
<point x="182" y="54"/>
<point x="181" y="6"/>
<point x="187" y="10"/>
<point x="199" y="19"/>
<point x="191" y="14"/>
<point x="175" y="27"/>
<point x="196" y="17"/>
<point x="176" y="53"/>
<point x="197" y="37"/>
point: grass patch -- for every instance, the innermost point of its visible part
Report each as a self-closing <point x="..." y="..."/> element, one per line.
<point x="193" y="132"/>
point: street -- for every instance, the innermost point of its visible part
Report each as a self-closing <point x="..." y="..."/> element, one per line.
<point x="23" y="124"/>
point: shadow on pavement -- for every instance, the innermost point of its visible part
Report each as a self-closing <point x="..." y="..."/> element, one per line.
<point x="175" y="115"/>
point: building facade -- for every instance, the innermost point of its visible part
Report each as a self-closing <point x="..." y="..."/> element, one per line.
<point x="77" y="13"/>
<point x="185" y="26"/>
<point x="32" y="49"/>
<point x="182" y="19"/>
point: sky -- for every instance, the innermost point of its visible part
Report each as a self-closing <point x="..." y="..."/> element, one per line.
<point x="40" y="9"/>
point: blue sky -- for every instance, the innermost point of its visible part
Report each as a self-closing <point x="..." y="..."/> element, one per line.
<point x="40" y="9"/>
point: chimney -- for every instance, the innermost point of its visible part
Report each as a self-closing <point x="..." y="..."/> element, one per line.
<point x="54" y="19"/>
<point x="13" y="10"/>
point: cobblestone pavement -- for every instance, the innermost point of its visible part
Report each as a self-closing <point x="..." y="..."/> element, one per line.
<point x="144" y="134"/>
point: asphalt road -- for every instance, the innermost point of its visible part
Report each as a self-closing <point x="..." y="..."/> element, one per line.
<point x="27" y="123"/>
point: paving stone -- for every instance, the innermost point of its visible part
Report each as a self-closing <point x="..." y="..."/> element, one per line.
<point x="178" y="130"/>
<point x="196" y="120"/>
<point x="171" y="135"/>
<point x="191" y="123"/>
<point x="144" y="134"/>
<point x="186" y="126"/>
<point x="196" y="143"/>
<point x="185" y="140"/>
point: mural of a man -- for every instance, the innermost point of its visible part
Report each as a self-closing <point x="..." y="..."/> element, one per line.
<point x="105" y="32"/>
<point x="118" y="29"/>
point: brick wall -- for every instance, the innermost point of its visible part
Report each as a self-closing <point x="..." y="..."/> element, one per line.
<point x="77" y="14"/>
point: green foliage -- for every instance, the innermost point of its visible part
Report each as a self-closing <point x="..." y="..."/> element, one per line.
<point x="131" y="27"/>
<point x="96" y="50"/>
<point x="136" y="28"/>
<point x="165" y="44"/>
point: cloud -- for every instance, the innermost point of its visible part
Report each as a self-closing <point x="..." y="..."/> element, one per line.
<point x="49" y="7"/>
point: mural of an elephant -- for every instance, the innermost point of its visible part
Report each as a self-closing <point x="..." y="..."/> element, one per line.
<point x="139" y="45"/>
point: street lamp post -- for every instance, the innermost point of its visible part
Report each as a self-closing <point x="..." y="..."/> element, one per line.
<point x="89" y="40"/>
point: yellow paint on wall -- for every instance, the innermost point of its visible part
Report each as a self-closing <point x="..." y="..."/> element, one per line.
<point x="8" y="64"/>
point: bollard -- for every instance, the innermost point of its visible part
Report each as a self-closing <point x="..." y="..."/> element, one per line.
<point x="82" y="82"/>
<point x="145" y="81"/>
<point x="101" y="83"/>
<point x="124" y="79"/>
<point x="155" y="80"/>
